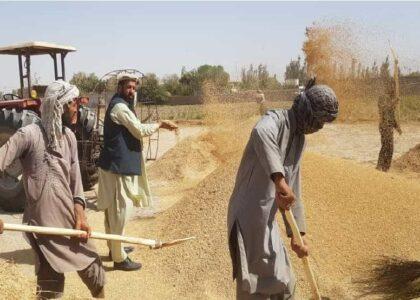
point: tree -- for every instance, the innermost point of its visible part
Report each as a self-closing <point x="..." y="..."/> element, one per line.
<point x="296" y="70"/>
<point x="151" y="90"/>
<point x="249" y="78"/>
<point x="171" y="84"/>
<point x="87" y="83"/>
<point x="192" y="81"/>
<point x="258" y="78"/>
<point x="214" y="74"/>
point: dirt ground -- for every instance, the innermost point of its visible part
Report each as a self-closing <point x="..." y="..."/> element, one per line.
<point x="355" y="218"/>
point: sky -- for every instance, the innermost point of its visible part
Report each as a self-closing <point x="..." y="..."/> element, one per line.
<point x="162" y="37"/>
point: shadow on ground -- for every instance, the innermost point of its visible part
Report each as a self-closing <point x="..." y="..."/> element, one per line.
<point x="392" y="278"/>
<point x="20" y="257"/>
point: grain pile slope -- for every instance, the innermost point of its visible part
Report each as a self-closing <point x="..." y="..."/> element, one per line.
<point x="355" y="215"/>
<point x="409" y="161"/>
<point x="13" y="285"/>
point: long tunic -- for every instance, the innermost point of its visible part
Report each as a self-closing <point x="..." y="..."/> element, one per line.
<point x="274" y="146"/>
<point x="387" y="108"/>
<point x="51" y="180"/>
<point x="387" y="123"/>
<point x="131" y="187"/>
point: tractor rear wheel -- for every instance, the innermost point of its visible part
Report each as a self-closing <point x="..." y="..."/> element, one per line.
<point x="12" y="193"/>
<point x="88" y="148"/>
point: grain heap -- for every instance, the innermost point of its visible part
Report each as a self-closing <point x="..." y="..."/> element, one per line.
<point x="355" y="214"/>
<point x="13" y="285"/>
<point x="409" y="161"/>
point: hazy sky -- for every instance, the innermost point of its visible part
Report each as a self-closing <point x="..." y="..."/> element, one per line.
<point x="161" y="37"/>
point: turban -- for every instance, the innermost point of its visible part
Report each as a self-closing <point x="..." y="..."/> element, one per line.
<point x="315" y="106"/>
<point x="127" y="76"/>
<point x="57" y="94"/>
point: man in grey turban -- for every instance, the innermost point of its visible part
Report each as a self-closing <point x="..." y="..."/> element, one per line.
<point x="268" y="180"/>
<point x="54" y="193"/>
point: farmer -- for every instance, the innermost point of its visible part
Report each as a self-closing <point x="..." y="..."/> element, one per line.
<point x="122" y="173"/>
<point x="387" y="104"/>
<point x="54" y="193"/>
<point x="260" y="99"/>
<point x="268" y="180"/>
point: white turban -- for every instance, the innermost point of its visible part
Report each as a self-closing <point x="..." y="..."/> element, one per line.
<point x="57" y="94"/>
<point x="127" y="76"/>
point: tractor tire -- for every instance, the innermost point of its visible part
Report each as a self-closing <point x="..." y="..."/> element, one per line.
<point x="88" y="152"/>
<point x="12" y="192"/>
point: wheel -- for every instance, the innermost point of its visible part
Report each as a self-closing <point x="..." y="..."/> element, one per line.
<point x="89" y="146"/>
<point x="12" y="193"/>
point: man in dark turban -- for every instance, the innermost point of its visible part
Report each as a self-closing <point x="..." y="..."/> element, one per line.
<point x="268" y="180"/>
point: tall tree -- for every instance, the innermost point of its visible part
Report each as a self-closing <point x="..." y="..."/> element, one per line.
<point x="87" y="82"/>
<point x="151" y="89"/>
<point x="296" y="70"/>
<point x="171" y="84"/>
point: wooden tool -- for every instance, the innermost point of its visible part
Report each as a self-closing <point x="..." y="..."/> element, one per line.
<point x="309" y="274"/>
<point x="152" y="244"/>
<point x="397" y="81"/>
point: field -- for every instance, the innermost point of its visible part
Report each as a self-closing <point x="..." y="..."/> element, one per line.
<point x="363" y="109"/>
<point x="361" y="221"/>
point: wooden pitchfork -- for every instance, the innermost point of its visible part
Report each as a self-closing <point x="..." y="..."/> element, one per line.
<point x="152" y="244"/>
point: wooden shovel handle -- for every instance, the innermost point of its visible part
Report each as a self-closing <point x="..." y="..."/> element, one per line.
<point x="153" y="244"/>
<point x="308" y="270"/>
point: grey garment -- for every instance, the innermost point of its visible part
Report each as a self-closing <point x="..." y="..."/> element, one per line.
<point x="52" y="180"/>
<point x="50" y="284"/>
<point x="274" y="146"/>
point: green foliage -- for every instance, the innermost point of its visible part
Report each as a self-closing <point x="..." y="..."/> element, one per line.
<point x="151" y="90"/>
<point x="192" y="81"/>
<point x="258" y="78"/>
<point x="87" y="83"/>
<point x="171" y="84"/>
<point x="296" y="70"/>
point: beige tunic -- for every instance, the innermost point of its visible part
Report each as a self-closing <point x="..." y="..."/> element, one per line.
<point x="52" y="180"/>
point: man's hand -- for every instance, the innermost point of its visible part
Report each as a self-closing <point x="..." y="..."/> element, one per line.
<point x="284" y="194"/>
<point x="301" y="251"/>
<point x="81" y="222"/>
<point x="1" y="226"/>
<point x="165" y="124"/>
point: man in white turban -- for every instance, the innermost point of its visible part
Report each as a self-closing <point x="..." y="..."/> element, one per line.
<point x="122" y="171"/>
<point x="54" y="193"/>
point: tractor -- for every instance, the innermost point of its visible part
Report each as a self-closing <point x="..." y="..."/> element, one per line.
<point x="23" y="108"/>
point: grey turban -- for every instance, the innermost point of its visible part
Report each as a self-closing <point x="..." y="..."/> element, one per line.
<point x="315" y="106"/>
